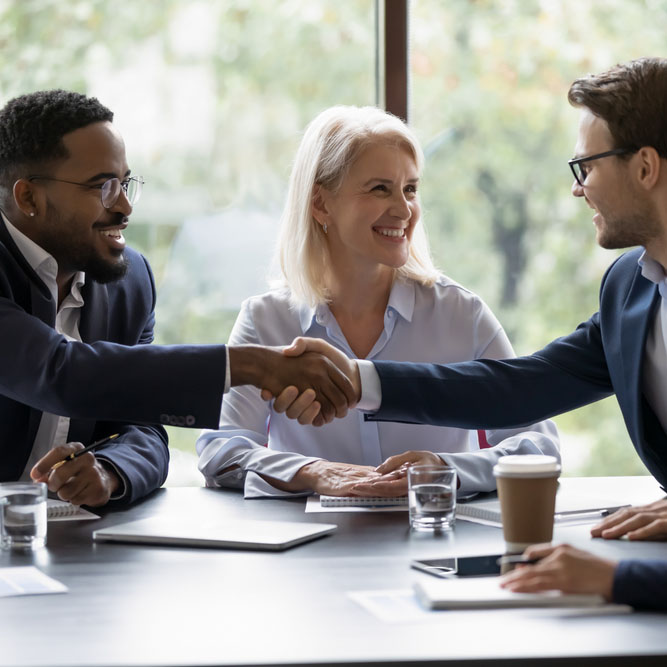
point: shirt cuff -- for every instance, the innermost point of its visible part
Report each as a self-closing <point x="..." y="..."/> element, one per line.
<point x="371" y="389"/>
<point x="228" y="373"/>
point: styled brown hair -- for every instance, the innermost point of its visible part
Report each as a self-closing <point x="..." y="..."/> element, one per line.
<point x="632" y="99"/>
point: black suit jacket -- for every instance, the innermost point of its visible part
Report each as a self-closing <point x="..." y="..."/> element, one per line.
<point x="112" y="382"/>
<point x="603" y="356"/>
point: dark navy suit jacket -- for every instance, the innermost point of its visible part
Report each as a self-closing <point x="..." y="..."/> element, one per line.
<point x="641" y="583"/>
<point x="603" y="356"/>
<point x="110" y="383"/>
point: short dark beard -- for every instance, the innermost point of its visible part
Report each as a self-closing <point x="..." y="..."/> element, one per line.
<point x="72" y="255"/>
<point x="103" y="272"/>
<point x="634" y="229"/>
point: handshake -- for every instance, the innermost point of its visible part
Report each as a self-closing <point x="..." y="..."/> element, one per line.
<point x="310" y="380"/>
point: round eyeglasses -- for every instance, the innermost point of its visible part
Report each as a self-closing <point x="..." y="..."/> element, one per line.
<point x="109" y="190"/>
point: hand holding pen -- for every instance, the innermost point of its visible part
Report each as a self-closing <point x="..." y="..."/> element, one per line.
<point x="76" y="475"/>
<point x="79" y="452"/>
<point x="544" y="567"/>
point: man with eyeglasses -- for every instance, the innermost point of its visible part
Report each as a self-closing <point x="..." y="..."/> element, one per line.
<point x="77" y="312"/>
<point x="620" y="170"/>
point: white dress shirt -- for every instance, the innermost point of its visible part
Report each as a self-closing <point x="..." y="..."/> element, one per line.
<point x="445" y="323"/>
<point x="655" y="359"/>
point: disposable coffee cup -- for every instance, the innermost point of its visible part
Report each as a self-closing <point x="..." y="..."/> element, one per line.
<point x="527" y="488"/>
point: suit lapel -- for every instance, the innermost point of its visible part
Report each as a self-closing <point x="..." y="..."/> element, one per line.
<point x="638" y="315"/>
<point x="94" y="322"/>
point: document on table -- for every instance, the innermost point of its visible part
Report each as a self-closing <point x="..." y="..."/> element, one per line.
<point x="405" y="606"/>
<point x="27" y="580"/>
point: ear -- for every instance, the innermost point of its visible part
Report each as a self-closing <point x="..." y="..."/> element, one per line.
<point x="26" y="198"/>
<point x="648" y="167"/>
<point x="318" y="205"/>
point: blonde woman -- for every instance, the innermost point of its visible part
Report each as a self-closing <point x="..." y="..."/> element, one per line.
<point x="357" y="273"/>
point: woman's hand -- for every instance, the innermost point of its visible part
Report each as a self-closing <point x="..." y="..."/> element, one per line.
<point x="327" y="478"/>
<point x="393" y="481"/>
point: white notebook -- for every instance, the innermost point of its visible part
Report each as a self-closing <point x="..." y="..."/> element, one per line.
<point x="485" y="593"/>
<point x="183" y="531"/>
<point x="568" y="508"/>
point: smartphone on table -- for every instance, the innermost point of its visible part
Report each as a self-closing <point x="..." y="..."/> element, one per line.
<point x="459" y="566"/>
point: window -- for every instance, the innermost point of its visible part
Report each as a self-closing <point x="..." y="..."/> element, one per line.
<point x="212" y="96"/>
<point x="489" y="102"/>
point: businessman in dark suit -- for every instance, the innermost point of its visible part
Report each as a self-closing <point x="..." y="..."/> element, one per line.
<point x="77" y="312"/>
<point x="620" y="170"/>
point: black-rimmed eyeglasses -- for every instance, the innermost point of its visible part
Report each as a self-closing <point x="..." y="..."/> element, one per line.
<point x="109" y="190"/>
<point x="578" y="165"/>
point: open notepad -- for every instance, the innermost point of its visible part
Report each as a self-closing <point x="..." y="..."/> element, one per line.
<point x="59" y="510"/>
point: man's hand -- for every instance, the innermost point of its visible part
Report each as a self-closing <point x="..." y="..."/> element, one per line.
<point x="273" y="371"/>
<point x="643" y="522"/>
<point x="327" y="478"/>
<point x="82" y="481"/>
<point x="394" y="474"/>
<point x="562" y="568"/>
<point x="303" y="406"/>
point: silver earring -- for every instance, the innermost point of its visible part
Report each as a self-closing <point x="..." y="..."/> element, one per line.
<point x="324" y="227"/>
<point x="32" y="214"/>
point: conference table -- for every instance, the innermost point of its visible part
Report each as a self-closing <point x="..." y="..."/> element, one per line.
<point x="343" y="598"/>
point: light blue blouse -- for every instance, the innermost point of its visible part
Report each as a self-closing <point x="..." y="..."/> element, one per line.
<point x="444" y="323"/>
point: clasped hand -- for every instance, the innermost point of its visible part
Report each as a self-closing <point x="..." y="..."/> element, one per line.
<point x="331" y="397"/>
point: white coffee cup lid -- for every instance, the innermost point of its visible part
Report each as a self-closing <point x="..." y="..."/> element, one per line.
<point x="526" y="464"/>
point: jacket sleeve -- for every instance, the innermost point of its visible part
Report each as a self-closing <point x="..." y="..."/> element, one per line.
<point x="142" y="384"/>
<point x="475" y="468"/>
<point x="641" y="583"/>
<point x="490" y="394"/>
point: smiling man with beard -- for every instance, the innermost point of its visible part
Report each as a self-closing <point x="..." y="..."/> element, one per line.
<point x="77" y="312"/>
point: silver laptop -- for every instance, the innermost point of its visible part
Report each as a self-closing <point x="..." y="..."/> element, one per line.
<point x="221" y="534"/>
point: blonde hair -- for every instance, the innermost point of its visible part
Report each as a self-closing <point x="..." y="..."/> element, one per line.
<point x="331" y="144"/>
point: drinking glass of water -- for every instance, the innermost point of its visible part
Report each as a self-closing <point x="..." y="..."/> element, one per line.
<point x="22" y="515"/>
<point x="432" y="497"/>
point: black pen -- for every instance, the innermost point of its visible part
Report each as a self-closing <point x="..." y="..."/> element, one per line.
<point x="74" y="455"/>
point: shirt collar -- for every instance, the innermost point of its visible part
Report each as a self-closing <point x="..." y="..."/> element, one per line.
<point x="401" y="300"/>
<point x="43" y="263"/>
<point x="653" y="271"/>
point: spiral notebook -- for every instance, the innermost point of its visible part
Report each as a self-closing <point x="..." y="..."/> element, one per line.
<point x="59" y="510"/>
<point x="360" y="501"/>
